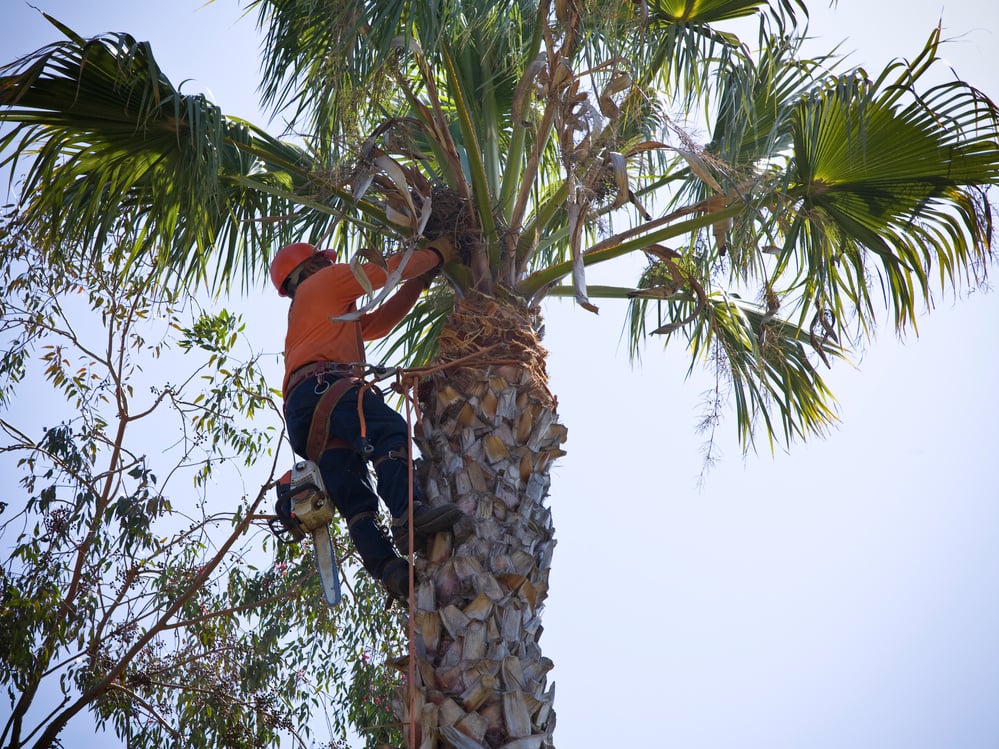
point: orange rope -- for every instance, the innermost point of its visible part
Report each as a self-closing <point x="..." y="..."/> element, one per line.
<point x="412" y="573"/>
<point x="418" y="373"/>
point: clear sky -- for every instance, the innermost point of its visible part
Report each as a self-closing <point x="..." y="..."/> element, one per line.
<point x="842" y="594"/>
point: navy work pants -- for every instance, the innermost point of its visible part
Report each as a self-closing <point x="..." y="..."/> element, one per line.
<point x="345" y="472"/>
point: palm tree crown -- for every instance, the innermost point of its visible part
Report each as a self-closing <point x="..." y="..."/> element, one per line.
<point x="543" y="137"/>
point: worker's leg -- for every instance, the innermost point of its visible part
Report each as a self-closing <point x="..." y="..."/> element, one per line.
<point x="385" y="429"/>
<point x="389" y="436"/>
<point x="345" y="474"/>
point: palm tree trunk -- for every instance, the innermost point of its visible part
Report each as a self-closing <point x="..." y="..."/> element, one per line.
<point x="488" y="434"/>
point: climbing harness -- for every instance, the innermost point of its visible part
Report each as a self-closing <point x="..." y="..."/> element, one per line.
<point x="303" y="505"/>
<point x="319" y="440"/>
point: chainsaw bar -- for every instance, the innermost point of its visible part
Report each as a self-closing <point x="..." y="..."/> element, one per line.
<point x="329" y="573"/>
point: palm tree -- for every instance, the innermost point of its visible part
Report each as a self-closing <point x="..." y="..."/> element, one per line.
<point x="542" y="138"/>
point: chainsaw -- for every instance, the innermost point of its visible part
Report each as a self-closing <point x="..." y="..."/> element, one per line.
<point x="303" y="506"/>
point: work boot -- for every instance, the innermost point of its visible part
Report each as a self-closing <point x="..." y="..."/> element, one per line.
<point x="426" y="521"/>
<point x="395" y="578"/>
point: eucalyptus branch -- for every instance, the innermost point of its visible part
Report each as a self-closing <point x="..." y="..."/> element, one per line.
<point x="45" y="720"/>
<point x="210" y="693"/>
<point x="29" y="445"/>
<point x="52" y="731"/>
<point x="62" y="664"/>
<point x="192" y="656"/>
<point x="147" y="707"/>
<point x="155" y="404"/>
<point x="239" y="609"/>
<point x="100" y="505"/>
<point x="117" y="372"/>
<point x="130" y="576"/>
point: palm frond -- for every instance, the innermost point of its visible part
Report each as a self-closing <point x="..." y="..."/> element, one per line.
<point x="115" y="147"/>
<point x="765" y="361"/>
<point x="682" y="41"/>
<point x="542" y="138"/>
<point x="319" y="64"/>
<point x="877" y="174"/>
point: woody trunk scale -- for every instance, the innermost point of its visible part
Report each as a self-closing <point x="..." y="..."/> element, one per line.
<point x="488" y="433"/>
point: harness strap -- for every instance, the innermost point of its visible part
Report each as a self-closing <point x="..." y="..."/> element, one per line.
<point x="317" y="370"/>
<point x="351" y="522"/>
<point x="319" y="430"/>
<point x="390" y="455"/>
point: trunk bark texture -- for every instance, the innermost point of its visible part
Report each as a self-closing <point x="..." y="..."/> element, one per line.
<point x="488" y="434"/>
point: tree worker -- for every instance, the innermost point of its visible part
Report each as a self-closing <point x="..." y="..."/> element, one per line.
<point x="321" y="389"/>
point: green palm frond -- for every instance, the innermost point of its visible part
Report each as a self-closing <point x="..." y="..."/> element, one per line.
<point x="893" y="178"/>
<point x="337" y="65"/>
<point x="115" y="146"/>
<point x="682" y="40"/>
<point x="756" y="100"/>
<point x="884" y="181"/>
<point x="766" y="361"/>
<point x="544" y="138"/>
<point x="324" y="63"/>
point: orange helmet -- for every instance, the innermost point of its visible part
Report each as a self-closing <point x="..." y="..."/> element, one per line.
<point x="286" y="260"/>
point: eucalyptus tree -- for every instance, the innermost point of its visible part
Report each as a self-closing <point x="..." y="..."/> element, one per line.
<point x="133" y="583"/>
<point x="541" y="138"/>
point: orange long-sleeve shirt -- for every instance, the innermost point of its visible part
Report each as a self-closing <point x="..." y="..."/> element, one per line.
<point x="333" y="291"/>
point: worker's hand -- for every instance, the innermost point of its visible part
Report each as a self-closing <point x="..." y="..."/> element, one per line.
<point x="444" y="248"/>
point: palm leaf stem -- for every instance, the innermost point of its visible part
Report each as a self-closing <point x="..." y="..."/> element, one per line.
<point x="437" y="121"/>
<point x="602" y="291"/>
<point x="514" y="174"/>
<point x="488" y="120"/>
<point x="307" y="202"/>
<point x="482" y="266"/>
<point x="447" y="158"/>
<point x="614" y="247"/>
<point x="528" y="243"/>
<point x="529" y="178"/>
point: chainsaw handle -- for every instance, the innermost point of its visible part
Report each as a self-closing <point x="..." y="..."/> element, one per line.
<point x="283" y="533"/>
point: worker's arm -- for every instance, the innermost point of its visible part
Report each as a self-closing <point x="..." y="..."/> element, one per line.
<point x="339" y="279"/>
<point x="381" y="321"/>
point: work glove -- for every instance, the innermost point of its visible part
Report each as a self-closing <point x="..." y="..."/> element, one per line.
<point x="445" y="249"/>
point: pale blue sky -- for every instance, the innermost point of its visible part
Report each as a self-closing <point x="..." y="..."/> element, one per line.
<point x="841" y="595"/>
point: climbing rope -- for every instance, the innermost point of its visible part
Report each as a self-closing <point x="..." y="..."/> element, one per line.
<point x="411" y="671"/>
